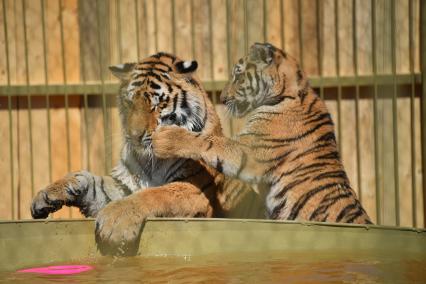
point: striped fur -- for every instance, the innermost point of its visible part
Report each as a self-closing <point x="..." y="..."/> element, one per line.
<point x="288" y="141"/>
<point x="159" y="90"/>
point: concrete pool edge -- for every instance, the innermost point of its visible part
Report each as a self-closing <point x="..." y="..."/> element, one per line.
<point x="36" y="242"/>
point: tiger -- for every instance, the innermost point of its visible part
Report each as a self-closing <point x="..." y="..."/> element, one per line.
<point x="287" y="143"/>
<point x="158" y="90"/>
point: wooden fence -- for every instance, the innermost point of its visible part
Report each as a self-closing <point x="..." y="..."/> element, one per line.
<point x="58" y="113"/>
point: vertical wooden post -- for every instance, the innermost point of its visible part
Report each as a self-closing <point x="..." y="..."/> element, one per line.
<point x="423" y="98"/>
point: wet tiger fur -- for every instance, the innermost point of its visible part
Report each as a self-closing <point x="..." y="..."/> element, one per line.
<point x="288" y="141"/>
<point x="159" y="90"/>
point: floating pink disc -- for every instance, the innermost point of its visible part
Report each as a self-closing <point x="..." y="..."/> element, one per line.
<point x="60" y="269"/>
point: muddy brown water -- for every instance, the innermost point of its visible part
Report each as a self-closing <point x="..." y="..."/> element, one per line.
<point x="306" y="267"/>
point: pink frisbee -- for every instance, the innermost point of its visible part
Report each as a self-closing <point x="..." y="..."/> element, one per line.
<point x="58" y="270"/>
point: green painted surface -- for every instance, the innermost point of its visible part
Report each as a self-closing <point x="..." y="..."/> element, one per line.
<point x="27" y="243"/>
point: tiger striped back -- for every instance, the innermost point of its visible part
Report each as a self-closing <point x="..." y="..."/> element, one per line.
<point x="292" y="129"/>
<point x="288" y="141"/>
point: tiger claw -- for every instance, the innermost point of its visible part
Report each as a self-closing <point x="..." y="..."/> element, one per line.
<point x="42" y="206"/>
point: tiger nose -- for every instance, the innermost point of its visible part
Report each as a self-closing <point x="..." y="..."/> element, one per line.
<point x="223" y="96"/>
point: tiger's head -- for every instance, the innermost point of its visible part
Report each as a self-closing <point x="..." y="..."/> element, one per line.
<point x="265" y="76"/>
<point x="159" y="90"/>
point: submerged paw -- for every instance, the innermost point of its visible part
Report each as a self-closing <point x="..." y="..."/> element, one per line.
<point x="118" y="228"/>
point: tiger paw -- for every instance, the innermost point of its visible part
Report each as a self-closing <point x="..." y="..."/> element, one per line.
<point x="175" y="142"/>
<point x="45" y="203"/>
<point x="62" y="192"/>
<point x="118" y="227"/>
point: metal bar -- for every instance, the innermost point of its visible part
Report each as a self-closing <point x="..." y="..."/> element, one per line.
<point x="137" y="29"/>
<point x="46" y="83"/>
<point x="423" y="100"/>
<point x="9" y="106"/>
<point x="212" y="77"/>
<point x="339" y="87"/>
<point x="375" y="118"/>
<point x="101" y="73"/>
<point x="27" y="79"/>
<point x="64" y="73"/>
<point x="395" y="114"/>
<point x="300" y="27"/>
<point x="319" y="15"/>
<point x="357" y="129"/>
<point x="110" y="88"/>
<point x="412" y="113"/>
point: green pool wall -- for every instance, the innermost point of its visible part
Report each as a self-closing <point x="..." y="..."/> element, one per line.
<point x="35" y="242"/>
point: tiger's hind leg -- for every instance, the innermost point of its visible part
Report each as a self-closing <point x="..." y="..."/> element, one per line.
<point x="80" y="189"/>
<point x="119" y="224"/>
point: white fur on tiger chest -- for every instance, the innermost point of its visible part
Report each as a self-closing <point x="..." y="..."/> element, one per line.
<point x="138" y="175"/>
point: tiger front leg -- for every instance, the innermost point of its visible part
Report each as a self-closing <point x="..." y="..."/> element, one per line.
<point x="231" y="157"/>
<point x="177" y="142"/>
<point x="119" y="224"/>
<point x="80" y="189"/>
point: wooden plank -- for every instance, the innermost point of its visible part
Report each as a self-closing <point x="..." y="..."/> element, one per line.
<point x="117" y="136"/>
<point x="309" y="39"/>
<point x="345" y="36"/>
<point x="387" y="159"/>
<point x="7" y="191"/>
<point x="237" y="35"/>
<point x="367" y="156"/>
<point x="183" y="29"/>
<point x="401" y="36"/>
<point x="88" y="13"/>
<point x="421" y="222"/>
<point x="72" y="40"/>
<point x="255" y="21"/>
<point x="363" y="37"/>
<point x="348" y="149"/>
<point x="219" y="40"/>
<point x="404" y="148"/>
<point x="164" y="25"/>
<point x="329" y="45"/>
<point x="149" y="12"/>
<point x="40" y="146"/>
<point x="274" y="24"/>
<point x="201" y="39"/>
<point x="291" y="28"/>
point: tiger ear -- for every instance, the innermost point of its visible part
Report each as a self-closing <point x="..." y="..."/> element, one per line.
<point x="263" y="52"/>
<point x="122" y="71"/>
<point x="188" y="66"/>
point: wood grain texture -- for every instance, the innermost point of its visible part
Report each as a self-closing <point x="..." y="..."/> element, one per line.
<point x="99" y="33"/>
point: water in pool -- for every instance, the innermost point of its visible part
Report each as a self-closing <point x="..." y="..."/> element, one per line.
<point x="244" y="268"/>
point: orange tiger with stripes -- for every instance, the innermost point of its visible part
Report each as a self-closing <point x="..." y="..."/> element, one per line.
<point x="159" y="90"/>
<point x="288" y="141"/>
